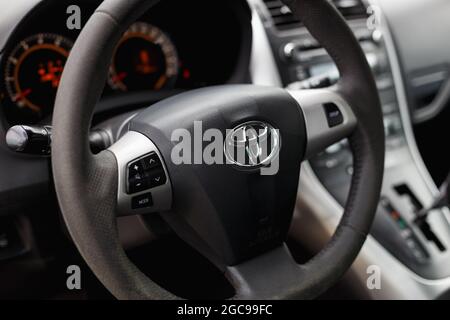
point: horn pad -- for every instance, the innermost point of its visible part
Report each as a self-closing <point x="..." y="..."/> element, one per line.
<point x="234" y="209"/>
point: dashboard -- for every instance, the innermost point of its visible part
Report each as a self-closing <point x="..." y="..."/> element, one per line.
<point x="163" y="53"/>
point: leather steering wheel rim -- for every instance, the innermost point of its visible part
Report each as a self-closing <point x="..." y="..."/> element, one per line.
<point x="86" y="184"/>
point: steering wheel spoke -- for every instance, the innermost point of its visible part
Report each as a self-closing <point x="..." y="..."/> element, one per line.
<point x="328" y="117"/>
<point x="272" y="275"/>
<point x="143" y="181"/>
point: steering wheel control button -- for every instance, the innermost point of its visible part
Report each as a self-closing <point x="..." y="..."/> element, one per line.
<point x="136" y="177"/>
<point x="151" y="161"/>
<point x="142" y="201"/>
<point x="334" y="115"/>
<point x="137" y="184"/>
<point x="145" y="173"/>
<point x="136" y="168"/>
<point x="156" y="178"/>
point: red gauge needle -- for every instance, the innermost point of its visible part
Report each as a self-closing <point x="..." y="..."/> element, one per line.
<point x="119" y="77"/>
<point x="22" y="95"/>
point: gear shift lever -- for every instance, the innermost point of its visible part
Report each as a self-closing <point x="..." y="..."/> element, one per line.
<point x="442" y="201"/>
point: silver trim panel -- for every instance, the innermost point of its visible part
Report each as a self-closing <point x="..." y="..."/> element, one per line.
<point x="133" y="146"/>
<point x="263" y="68"/>
<point x="439" y="103"/>
<point x="403" y="105"/>
<point x="319" y="134"/>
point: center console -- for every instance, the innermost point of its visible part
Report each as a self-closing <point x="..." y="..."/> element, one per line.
<point x="421" y="244"/>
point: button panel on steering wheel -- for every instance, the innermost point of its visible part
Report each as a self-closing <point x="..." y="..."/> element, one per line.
<point x="144" y="185"/>
<point x="145" y="173"/>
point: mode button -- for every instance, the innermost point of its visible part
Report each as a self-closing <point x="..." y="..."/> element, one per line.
<point x="142" y="201"/>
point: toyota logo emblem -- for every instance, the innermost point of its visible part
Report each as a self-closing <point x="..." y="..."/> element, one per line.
<point x="252" y="145"/>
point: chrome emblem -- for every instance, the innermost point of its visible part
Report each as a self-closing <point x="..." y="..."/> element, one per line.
<point x="252" y="145"/>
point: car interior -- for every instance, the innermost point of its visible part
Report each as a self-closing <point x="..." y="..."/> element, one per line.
<point x="351" y="95"/>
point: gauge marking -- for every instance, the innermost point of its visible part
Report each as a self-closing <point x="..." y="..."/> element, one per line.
<point x="58" y="41"/>
<point x="24" y="45"/>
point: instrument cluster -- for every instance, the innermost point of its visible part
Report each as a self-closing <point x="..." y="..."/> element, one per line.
<point x="145" y="59"/>
<point x="163" y="51"/>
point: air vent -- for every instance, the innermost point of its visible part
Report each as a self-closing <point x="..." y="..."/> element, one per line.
<point x="351" y="9"/>
<point x="283" y="18"/>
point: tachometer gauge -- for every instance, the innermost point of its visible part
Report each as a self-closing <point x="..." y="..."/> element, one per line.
<point x="33" y="73"/>
<point x="145" y="59"/>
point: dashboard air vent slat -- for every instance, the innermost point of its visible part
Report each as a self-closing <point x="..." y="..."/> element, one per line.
<point x="281" y="15"/>
<point x="351" y="9"/>
<point x="283" y="18"/>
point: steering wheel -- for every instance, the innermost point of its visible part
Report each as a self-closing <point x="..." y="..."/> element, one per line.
<point x="232" y="213"/>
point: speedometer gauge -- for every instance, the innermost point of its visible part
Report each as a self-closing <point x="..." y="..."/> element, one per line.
<point x="145" y="59"/>
<point x="33" y="73"/>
